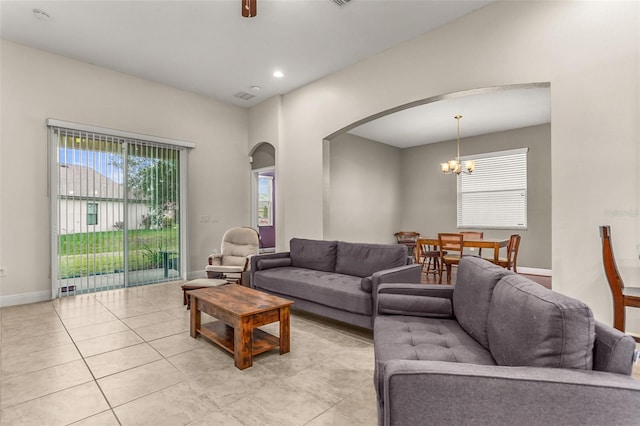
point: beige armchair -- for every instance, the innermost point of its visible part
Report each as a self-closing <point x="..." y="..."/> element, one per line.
<point x="238" y="245"/>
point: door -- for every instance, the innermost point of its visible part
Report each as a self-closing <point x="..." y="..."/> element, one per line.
<point x="115" y="211"/>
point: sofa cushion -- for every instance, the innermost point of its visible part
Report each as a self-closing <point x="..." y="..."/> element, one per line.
<point x="419" y="338"/>
<point x="475" y="281"/>
<point x="313" y="254"/>
<point x="329" y="289"/>
<point x="530" y="325"/>
<point x="362" y="260"/>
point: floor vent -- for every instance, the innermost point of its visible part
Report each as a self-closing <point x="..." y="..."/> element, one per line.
<point x="244" y="95"/>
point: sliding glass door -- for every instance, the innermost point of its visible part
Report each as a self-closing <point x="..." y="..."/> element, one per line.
<point x="116" y="216"/>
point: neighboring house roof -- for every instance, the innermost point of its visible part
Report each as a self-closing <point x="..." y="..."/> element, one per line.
<point x="86" y="182"/>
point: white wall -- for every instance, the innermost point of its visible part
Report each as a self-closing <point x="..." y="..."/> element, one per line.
<point x="364" y="191"/>
<point x="36" y="85"/>
<point x="594" y="76"/>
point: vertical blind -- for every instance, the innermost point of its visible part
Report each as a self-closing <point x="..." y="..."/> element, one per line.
<point x="495" y="194"/>
<point x="116" y="204"/>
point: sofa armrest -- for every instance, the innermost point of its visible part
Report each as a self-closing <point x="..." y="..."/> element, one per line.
<point x="415" y="300"/>
<point x="401" y="274"/>
<point x="269" y="256"/>
<point x="505" y="395"/>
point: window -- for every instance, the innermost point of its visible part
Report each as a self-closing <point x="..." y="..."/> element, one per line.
<point x="92" y="213"/>
<point x="495" y="194"/>
<point x="265" y="201"/>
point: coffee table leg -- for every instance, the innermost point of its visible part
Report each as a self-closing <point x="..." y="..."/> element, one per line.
<point x="243" y="343"/>
<point x="284" y="330"/>
<point x="195" y="317"/>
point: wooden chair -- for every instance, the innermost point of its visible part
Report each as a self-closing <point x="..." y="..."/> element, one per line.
<point x="428" y="256"/>
<point x="407" y="238"/>
<point x="622" y="296"/>
<point x="511" y="261"/>
<point x="473" y="234"/>
<point x="449" y="243"/>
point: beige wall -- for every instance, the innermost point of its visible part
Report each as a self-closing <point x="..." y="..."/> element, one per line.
<point x="35" y="85"/>
<point x="594" y="77"/>
<point x="364" y="190"/>
<point x="429" y="197"/>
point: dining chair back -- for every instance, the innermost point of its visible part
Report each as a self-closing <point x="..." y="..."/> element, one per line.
<point x="452" y="244"/>
<point x="511" y="260"/>
<point x="407" y="238"/>
<point x="622" y="296"/>
<point x="473" y="234"/>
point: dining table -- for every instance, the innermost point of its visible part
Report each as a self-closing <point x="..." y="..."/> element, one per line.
<point x="475" y="242"/>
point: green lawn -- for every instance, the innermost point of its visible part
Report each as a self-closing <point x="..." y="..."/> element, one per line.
<point x="103" y="252"/>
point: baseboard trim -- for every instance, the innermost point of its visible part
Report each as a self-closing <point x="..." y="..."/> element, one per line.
<point x="534" y="271"/>
<point x="24" y="298"/>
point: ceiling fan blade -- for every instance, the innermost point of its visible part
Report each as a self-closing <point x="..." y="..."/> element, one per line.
<point x="249" y="8"/>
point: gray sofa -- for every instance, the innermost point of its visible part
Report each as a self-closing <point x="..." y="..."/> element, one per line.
<point x="335" y="279"/>
<point x="497" y="348"/>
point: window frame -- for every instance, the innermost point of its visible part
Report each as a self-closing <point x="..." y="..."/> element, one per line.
<point x="92" y="205"/>
<point x="268" y="204"/>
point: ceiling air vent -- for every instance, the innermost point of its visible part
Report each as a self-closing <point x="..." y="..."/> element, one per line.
<point x="244" y="95"/>
<point x="341" y="2"/>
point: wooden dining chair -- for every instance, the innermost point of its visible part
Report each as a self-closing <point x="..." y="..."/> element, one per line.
<point x="407" y="238"/>
<point x="428" y="256"/>
<point x="449" y="243"/>
<point x="511" y="260"/>
<point x="473" y="234"/>
<point x="622" y="296"/>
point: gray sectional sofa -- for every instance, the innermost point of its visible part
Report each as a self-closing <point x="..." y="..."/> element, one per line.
<point x="335" y="279"/>
<point x="497" y="348"/>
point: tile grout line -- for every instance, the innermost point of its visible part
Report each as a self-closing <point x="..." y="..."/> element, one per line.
<point x="87" y="365"/>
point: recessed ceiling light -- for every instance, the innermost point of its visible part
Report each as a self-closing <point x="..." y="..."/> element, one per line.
<point x="278" y="74"/>
<point x="41" y="14"/>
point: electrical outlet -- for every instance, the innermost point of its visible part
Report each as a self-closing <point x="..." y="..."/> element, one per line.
<point x="3" y="271"/>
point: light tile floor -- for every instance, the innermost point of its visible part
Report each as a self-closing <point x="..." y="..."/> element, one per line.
<point x="125" y="357"/>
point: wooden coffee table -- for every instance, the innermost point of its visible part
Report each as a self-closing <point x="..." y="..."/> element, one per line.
<point x="240" y="310"/>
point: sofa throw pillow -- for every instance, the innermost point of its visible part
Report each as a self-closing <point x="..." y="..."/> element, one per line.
<point x="318" y="255"/>
<point x="362" y="260"/>
<point x="279" y="262"/>
<point x="366" y="284"/>
<point x="530" y="325"/>
<point x="475" y="281"/>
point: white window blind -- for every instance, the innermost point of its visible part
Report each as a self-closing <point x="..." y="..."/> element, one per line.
<point x="495" y="194"/>
<point x="117" y="208"/>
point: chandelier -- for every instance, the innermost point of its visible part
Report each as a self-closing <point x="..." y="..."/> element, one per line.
<point x="454" y="166"/>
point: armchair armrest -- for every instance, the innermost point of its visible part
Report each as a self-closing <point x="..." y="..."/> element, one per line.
<point x="499" y="395"/>
<point x="433" y="301"/>
<point x="215" y="259"/>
